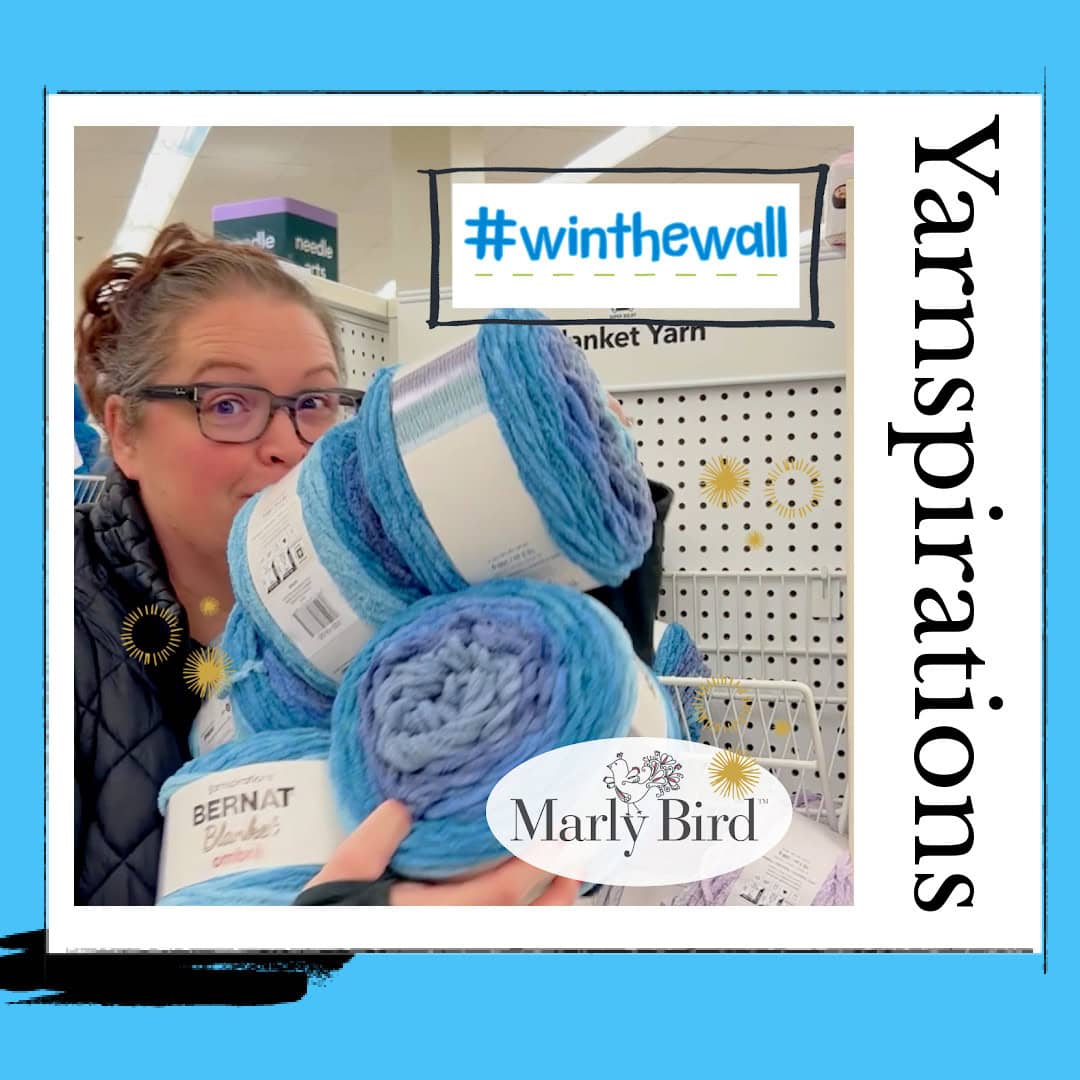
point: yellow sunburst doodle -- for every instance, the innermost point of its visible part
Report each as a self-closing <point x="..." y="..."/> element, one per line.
<point x="733" y="775"/>
<point x="723" y="480"/>
<point x="703" y="693"/>
<point x="781" y="727"/>
<point x="150" y="634"/>
<point x="209" y="605"/>
<point x="207" y="670"/>
<point x="774" y="499"/>
<point x="754" y="539"/>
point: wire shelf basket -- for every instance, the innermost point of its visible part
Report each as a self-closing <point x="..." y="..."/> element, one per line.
<point x="752" y="716"/>
<point x="88" y="489"/>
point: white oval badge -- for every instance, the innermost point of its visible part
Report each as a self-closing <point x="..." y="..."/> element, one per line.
<point x="639" y="811"/>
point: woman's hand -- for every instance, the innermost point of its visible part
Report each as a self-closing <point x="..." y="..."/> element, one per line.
<point x="366" y="852"/>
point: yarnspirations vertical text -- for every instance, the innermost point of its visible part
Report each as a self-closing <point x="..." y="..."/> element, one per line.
<point x="943" y="461"/>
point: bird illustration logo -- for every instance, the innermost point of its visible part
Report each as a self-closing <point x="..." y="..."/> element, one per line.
<point x="658" y="772"/>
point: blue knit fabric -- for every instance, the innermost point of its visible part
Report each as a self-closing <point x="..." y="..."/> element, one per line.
<point x="274" y="686"/>
<point x="573" y="456"/>
<point x="453" y="694"/>
<point x="369" y="532"/>
<point x="678" y="655"/>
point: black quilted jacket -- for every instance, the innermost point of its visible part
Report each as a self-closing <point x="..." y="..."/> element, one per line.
<point x="131" y="720"/>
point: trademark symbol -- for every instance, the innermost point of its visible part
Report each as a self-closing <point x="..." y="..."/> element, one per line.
<point x="762" y="801"/>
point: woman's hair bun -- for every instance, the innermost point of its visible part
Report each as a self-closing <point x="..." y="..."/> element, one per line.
<point x="111" y="295"/>
<point x="124" y="322"/>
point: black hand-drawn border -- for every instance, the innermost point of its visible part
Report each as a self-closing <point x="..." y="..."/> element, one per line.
<point x="815" y="320"/>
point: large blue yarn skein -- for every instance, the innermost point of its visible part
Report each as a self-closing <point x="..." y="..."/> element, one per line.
<point x="678" y="655"/>
<point x="578" y="463"/>
<point x="451" y="695"/>
<point x="274" y="687"/>
<point x="252" y="887"/>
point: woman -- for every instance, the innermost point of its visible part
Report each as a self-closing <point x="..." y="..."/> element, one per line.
<point x="212" y="371"/>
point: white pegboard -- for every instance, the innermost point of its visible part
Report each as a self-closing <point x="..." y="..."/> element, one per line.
<point x="755" y="567"/>
<point x="771" y="626"/>
<point x="363" y="342"/>
<point x="772" y="457"/>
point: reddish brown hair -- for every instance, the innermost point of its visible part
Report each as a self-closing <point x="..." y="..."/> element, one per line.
<point x="132" y="303"/>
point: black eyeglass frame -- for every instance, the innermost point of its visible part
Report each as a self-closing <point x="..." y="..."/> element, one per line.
<point x="190" y="392"/>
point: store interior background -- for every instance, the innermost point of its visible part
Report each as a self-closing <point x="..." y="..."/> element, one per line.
<point x="765" y="594"/>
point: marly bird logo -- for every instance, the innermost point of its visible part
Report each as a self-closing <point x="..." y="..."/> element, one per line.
<point x="658" y="772"/>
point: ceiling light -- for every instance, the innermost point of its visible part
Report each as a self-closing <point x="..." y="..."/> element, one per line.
<point x="163" y="175"/>
<point x="609" y="153"/>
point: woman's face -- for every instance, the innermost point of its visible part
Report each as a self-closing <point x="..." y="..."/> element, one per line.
<point x="191" y="486"/>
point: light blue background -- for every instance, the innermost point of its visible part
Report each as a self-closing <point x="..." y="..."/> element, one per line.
<point x="547" y="1015"/>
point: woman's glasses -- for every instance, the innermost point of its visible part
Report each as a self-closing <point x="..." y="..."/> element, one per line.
<point x="231" y="413"/>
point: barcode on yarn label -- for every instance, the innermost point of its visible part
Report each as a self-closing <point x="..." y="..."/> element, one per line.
<point x="293" y="585"/>
<point x="316" y="616"/>
<point x="255" y="817"/>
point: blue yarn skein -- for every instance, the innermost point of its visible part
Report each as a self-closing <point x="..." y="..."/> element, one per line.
<point x="252" y="887"/>
<point x="86" y="438"/>
<point x="274" y="687"/>
<point x="452" y="694"/>
<point x="573" y="456"/>
<point x="678" y="655"/>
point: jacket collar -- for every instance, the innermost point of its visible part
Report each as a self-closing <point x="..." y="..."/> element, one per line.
<point x="126" y="539"/>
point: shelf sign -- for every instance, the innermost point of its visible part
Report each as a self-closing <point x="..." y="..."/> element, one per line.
<point x="288" y="228"/>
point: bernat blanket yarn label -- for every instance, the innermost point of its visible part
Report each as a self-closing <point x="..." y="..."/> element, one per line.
<point x="213" y="725"/>
<point x="465" y="478"/>
<point x="295" y="587"/>
<point x="256" y="817"/>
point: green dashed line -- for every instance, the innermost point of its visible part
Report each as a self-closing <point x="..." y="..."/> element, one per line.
<point x="602" y="275"/>
<point x="483" y="275"/>
<point x="562" y="275"/>
<point x="768" y="275"/>
<point x="644" y="275"/>
<point x="686" y="275"/>
<point x="726" y="275"/>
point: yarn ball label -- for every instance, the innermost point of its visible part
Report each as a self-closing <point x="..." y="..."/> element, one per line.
<point x="213" y="725"/>
<point x="650" y="714"/>
<point x="793" y="872"/>
<point x="463" y="473"/>
<point x="293" y="585"/>
<point x="256" y="817"/>
<point x="639" y="811"/>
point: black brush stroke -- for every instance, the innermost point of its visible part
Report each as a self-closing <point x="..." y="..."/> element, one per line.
<point x="433" y="320"/>
<point x="158" y="979"/>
